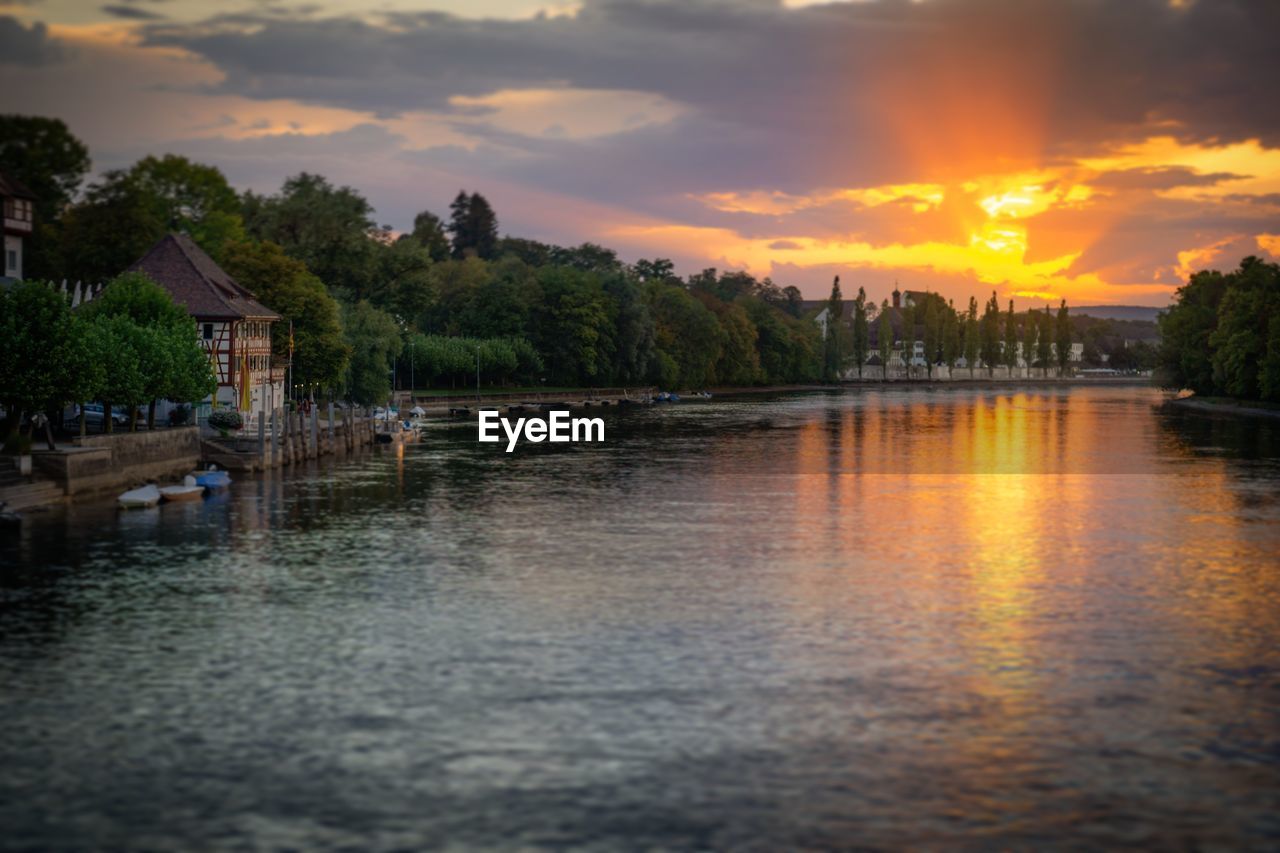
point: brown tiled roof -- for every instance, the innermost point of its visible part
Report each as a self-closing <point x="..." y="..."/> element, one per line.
<point x="14" y="188"/>
<point x="198" y="284"/>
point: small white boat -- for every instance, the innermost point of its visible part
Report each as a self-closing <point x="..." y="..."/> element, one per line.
<point x="146" y="496"/>
<point x="188" y="491"/>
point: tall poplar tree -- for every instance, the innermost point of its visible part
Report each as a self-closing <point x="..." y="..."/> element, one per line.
<point x="951" y="344"/>
<point x="908" y="336"/>
<point x="1044" y="339"/>
<point x="835" y="312"/>
<point x="971" y="342"/>
<point x="884" y="339"/>
<point x="1063" y="339"/>
<point x="861" y="334"/>
<point x="932" y="334"/>
<point x="1010" y="340"/>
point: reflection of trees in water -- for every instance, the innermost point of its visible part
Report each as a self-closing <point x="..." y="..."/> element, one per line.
<point x="1247" y="448"/>
<point x="1227" y="436"/>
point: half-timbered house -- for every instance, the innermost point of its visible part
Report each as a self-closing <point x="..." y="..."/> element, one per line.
<point x="232" y="325"/>
<point x="18" y="204"/>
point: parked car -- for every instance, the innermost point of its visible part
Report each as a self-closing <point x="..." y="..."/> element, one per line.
<point x="94" y="415"/>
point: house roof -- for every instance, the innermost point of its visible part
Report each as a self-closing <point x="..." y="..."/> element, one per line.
<point x="198" y="284"/>
<point x="14" y="188"/>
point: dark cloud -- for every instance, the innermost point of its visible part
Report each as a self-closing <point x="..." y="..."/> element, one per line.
<point x="1161" y="178"/>
<point x="818" y="73"/>
<point x="132" y="13"/>
<point x="779" y="245"/>
<point x="21" y="45"/>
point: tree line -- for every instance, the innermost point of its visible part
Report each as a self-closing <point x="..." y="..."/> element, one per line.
<point x="369" y="307"/>
<point x="996" y="338"/>
<point x="1221" y="336"/>
<point x="128" y="348"/>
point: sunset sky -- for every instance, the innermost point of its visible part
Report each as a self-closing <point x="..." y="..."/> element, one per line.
<point x="1042" y="148"/>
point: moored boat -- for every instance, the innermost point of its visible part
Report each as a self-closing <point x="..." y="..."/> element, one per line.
<point x="145" y="496"/>
<point x="213" y="480"/>
<point x="188" y="491"/>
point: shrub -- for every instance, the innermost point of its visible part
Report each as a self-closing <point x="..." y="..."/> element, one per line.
<point x="225" y="420"/>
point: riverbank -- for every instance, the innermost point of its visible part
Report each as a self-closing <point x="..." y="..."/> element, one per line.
<point x="960" y="382"/>
<point x="88" y="467"/>
<point x="1227" y="406"/>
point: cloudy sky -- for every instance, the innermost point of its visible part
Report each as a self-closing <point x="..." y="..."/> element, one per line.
<point x="1081" y="148"/>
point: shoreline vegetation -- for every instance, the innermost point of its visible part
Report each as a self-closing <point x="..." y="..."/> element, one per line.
<point x="366" y="309"/>
<point x="1227" y="406"/>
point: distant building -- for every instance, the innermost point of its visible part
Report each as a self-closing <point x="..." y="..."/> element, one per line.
<point x="231" y="324"/>
<point x="18" y="203"/>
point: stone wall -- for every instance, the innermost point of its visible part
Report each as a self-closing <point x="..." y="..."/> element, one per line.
<point x="100" y="463"/>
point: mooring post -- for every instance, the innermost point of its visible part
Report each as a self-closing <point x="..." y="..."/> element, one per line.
<point x="275" y="440"/>
<point x="262" y="440"/>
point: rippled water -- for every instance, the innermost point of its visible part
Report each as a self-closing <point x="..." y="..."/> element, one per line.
<point x="925" y="617"/>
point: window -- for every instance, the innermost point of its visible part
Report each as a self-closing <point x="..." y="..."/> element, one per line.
<point x="207" y="332"/>
<point x="11" y="260"/>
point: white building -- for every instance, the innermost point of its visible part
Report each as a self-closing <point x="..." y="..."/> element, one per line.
<point x="19" y="215"/>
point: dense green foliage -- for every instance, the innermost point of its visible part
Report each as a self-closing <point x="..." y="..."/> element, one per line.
<point x="320" y="352"/>
<point x="129" y="347"/>
<point x="1222" y="334"/>
<point x="371" y="311"/>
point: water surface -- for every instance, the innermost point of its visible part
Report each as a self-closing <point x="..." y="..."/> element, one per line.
<point x="869" y="618"/>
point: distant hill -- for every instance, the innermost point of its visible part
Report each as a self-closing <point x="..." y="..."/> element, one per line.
<point x="1117" y="312"/>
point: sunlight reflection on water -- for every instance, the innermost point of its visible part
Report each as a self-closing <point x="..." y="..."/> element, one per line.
<point x="866" y="618"/>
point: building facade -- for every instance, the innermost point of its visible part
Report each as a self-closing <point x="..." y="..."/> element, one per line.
<point x="19" y="218"/>
<point x="234" y="328"/>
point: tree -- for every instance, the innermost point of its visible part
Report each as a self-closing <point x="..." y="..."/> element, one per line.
<point x="971" y="336"/>
<point x="794" y="300"/>
<point x="125" y="212"/>
<point x="47" y="157"/>
<point x="133" y="348"/>
<point x="861" y="333"/>
<point x="36" y="342"/>
<point x="738" y="362"/>
<point x="884" y="339"/>
<point x="1063" y="342"/>
<point x="909" y="337"/>
<point x="160" y="340"/>
<point x="951" y="343"/>
<point x="658" y="269"/>
<point x="835" y="312"/>
<point x="327" y="228"/>
<point x="1044" y="338"/>
<point x="687" y="336"/>
<point x="320" y="351"/>
<point x="1030" y="333"/>
<point x="429" y="233"/>
<point x="932" y="334"/>
<point x="374" y="341"/>
<point x="1240" y="342"/>
<point x="474" y="226"/>
<point x="186" y="197"/>
<point x="634" y="348"/>
<point x="1010" y="340"/>
<point x="572" y="325"/>
<point x="991" y="334"/>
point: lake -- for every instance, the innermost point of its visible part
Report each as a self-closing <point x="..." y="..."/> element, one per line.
<point x="863" y="618"/>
